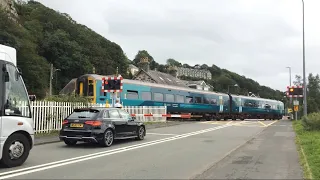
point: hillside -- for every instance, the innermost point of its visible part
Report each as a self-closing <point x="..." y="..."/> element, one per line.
<point x="221" y="78"/>
<point x="43" y="36"/>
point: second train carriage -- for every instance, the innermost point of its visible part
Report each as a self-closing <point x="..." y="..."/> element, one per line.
<point x="212" y="105"/>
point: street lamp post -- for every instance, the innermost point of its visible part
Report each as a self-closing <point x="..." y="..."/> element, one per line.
<point x="305" y="112"/>
<point x="289" y="75"/>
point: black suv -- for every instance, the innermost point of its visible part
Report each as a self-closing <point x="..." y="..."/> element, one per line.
<point x="100" y="125"/>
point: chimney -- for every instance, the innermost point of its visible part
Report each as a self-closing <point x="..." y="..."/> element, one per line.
<point x="173" y="71"/>
<point x="144" y="64"/>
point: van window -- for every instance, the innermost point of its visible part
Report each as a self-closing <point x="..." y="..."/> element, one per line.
<point x="16" y="99"/>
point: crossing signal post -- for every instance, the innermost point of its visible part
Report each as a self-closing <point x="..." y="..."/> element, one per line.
<point x="112" y="84"/>
<point x="296" y="92"/>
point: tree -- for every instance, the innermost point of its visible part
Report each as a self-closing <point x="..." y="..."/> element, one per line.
<point x="298" y="80"/>
<point x="172" y="62"/>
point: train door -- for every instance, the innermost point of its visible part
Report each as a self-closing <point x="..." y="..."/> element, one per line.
<point x="240" y="104"/>
<point x="81" y="88"/>
<point x="230" y="103"/>
<point x="221" y="104"/>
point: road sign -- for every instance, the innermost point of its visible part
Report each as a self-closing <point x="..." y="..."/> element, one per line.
<point x="296" y="108"/>
<point x="295" y="91"/>
<point x="289" y="110"/>
<point x="296" y="103"/>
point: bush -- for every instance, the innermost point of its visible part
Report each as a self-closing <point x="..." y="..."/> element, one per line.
<point x="68" y="98"/>
<point x="311" y="122"/>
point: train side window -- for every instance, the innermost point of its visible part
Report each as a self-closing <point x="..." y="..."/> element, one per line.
<point x="169" y="98"/>
<point x="132" y="94"/>
<point x="90" y="90"/>
<point x="179" y="99"/>
<point x="213" y="101"/>
<point x="189" y="99"/>
<point x="157" y="96"/>
<point x="206" y="100"/>
<point x="146" y="95"/>
<point x="198" y="100"/>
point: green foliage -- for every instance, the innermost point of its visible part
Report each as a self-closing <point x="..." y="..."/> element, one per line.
<point x="308" y="143"/>
<point x="67" y="98"/>
<point x="44" y="36"/>
<point x="311" y="121"/>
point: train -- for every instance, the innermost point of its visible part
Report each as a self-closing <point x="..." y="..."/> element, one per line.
<point x="207" y="105"/>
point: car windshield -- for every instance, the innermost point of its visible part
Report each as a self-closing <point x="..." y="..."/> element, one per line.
<point x="83" y="114"/>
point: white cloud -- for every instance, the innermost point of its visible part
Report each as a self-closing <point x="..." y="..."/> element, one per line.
<point x="255" y="38"/>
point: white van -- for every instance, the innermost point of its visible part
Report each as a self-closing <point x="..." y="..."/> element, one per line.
<point x="16" y="123"/>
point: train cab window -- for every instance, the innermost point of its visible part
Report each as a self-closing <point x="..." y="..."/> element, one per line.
<point x="179" y="99"/>
<point x="146" y="95"/>
<point x="169" y="98"/>
<point x="189" y="99"/>
<point x="132" y="94"/>
<point x="198" y="100"/>
<point x="90" y="90"/>
<point x="213" y="101"/>
<point x="157" y="96"/>
<point x="206" y="100"/>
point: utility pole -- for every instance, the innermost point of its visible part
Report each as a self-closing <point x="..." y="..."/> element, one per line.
<point x="51" y="77"/>
<point x="305" y="112"/>
<point x="52" y="71"/>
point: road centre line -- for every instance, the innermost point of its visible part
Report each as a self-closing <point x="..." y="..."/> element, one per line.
<point x="32" y="169"/>
<point x="163" y="134"/>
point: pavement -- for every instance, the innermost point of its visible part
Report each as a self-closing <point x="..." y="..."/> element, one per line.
<point x="198" y="150"/>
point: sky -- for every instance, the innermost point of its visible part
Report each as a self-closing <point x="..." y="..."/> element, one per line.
<point x="254" y="38"/>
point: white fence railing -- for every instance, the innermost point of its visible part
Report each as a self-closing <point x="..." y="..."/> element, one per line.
<point x="48" y="116"/>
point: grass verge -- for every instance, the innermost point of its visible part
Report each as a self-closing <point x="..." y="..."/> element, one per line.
<point x="308" y="143"/>
<point x="44" y="134"/>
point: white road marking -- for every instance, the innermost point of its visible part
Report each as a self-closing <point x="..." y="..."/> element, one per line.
<point x="32" y="169"/>
<point x="163" y="134"/>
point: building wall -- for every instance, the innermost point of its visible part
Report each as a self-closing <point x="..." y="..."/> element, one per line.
<point x="196" y="73"/>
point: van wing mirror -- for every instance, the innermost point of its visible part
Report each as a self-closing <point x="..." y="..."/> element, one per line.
<point x="6" y="77"/>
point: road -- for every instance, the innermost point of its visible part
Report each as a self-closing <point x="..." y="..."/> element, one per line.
<point x="198" y="150"/>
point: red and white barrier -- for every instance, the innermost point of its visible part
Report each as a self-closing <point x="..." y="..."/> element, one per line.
<point x="186" y="116"/>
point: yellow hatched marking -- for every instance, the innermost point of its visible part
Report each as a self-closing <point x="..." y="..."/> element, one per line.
<point x="263" y="124"/>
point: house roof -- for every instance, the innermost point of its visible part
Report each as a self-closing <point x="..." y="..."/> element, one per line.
<point x="133" y="66"/>
<point x="163" y="78"/>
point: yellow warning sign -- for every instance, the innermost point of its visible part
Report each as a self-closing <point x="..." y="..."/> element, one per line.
<point x="289" y="110"/>
<point x="296" y="108"/>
